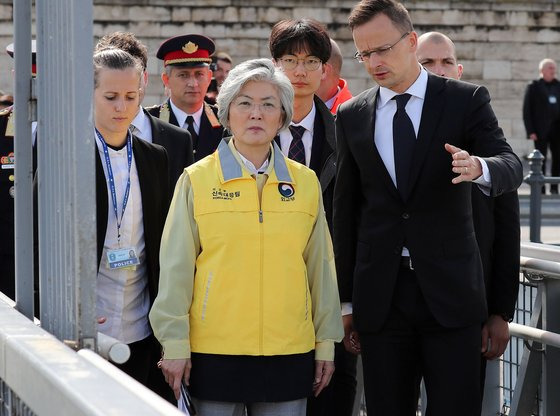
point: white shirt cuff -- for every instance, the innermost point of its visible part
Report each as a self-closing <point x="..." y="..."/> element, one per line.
<point x="346" y="308"/>
<point x="484" y="181"/>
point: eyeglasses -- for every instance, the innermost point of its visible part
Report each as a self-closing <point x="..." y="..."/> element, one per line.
<point x="290" y="62"/>
<point x="383" y="51"/>
<point x="245" y="106"/>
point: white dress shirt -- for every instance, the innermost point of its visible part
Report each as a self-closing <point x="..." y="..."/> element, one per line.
<point x="142" y="126"/>
<point x="181" y="117"/>
<point x="122" y="294"/>
<point x="329" y="103"/>
<point x="384" y="113"/>
<point x="308" y="123"/>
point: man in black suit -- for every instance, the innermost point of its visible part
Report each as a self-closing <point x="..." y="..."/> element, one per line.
<point x="541" y="115"/>
<point x="496" y="222"/>
<point x="176" y="141"/>
<point x="406" y="253"/>
<point x="301" y="48"/>
<point x="187" y="75"/>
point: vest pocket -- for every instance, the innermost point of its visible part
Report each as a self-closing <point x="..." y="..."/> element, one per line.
<point x="205" y="295"/>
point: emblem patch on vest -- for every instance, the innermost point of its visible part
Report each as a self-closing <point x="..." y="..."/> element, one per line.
<point x="223" y="194"/>
<point x="287" y="191"/>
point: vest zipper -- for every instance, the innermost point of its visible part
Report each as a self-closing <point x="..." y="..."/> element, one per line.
<point x="261" y="279"/>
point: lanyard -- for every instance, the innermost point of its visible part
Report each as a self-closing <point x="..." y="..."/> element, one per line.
<point x="112" y="180"/>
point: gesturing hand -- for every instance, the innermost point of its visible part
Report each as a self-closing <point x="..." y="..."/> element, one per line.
<point x="467" y="166"/>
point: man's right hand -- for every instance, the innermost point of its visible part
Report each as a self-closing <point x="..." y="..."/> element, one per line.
<point x="174" y="371"/>
<point x="533" y="137"/>
<point x="351" y="339"/>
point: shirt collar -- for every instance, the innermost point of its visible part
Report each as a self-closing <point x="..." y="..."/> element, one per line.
<point x="248" y="164"/>
<point x="181" y="116"/>
<point x="417" y="89"/>
<point x="141" y="121"/>
<point x="308" y="121"/>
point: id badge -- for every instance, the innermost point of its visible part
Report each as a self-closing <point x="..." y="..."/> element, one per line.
<point x="122" y="258"/>
<point x="552" y="99"/>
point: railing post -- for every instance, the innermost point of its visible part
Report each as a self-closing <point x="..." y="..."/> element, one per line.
<point x="535" y="179"/>
<point x="551" y="357"/>
<point x="23" y="208"/>
<point x="492" y="401"/>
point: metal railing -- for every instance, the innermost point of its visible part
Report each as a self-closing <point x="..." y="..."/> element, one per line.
<point x="40" y="375"/>
<point x="524" y="382"/>
<point x="536" y="181"/>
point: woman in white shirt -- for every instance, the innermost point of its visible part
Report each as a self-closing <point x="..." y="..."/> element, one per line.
<point x="132" y="202"/>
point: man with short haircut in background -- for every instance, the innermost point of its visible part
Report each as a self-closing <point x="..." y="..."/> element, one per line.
<point x="541" y="115"/>
<point x="333" y="89"/>
<point x="496" y="222"/>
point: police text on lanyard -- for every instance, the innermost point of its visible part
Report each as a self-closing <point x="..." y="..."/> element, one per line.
<point x="112" y="180"/>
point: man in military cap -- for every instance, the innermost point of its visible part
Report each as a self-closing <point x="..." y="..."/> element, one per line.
<point x="7" y="159"/>
<point x="187" y="75"/>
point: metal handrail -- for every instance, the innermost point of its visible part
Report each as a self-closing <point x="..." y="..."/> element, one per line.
<point x="534" y="334"/>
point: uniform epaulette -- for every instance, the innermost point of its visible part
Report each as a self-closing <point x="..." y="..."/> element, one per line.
<point x="10" y="130"/>
<point x="164" y="112"/>
<point x="211" y="116"/>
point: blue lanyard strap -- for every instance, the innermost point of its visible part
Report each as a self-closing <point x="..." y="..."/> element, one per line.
<point x="112" y="179"/>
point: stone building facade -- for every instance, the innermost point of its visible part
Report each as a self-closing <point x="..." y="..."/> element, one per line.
<point x="499" y="42"/>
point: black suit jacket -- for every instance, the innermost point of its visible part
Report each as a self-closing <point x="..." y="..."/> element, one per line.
<point x="372" y="223"/>
<point x="209" y="135"/>
<point x="323" y="157"/>
<point x="178" y="144"/>
<point x="539" y="115"/>
<point x="497" y="228"/>
<point x="151" y="164"/>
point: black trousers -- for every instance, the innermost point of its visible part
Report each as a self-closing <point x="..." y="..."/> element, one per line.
<point x="8" y="275"/>
<point x="337" y="399"/>
<point x="138" y="365"/>
<point x="142" y="366"/>
<point x="411" y="345"/>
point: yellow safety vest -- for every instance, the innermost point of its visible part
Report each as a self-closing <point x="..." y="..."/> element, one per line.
<point x="251" y="295"/>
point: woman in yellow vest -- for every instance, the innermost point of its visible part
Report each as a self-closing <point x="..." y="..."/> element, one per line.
<point x="247" y="310"/>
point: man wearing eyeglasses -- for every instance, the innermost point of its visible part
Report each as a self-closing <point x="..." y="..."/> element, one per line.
<point x="301" y="48"/>
<point x="406" y="255"/>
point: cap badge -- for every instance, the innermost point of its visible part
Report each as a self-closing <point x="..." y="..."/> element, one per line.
<point x="190" y="48"/>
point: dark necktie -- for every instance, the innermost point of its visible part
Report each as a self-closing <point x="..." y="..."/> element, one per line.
<point x="404" y="140"/>
<point x="190" y="128"/>
<point x="297" y="151"/>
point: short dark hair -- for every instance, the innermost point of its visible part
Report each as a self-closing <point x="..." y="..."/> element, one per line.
<point x="127" y="42"/>
<point x="366" y="10"/>
<point x="292" y="36"/>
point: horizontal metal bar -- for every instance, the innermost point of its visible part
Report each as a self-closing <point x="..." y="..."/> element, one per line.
<point x="534" y="334"/>
<point x="112" y="349"/>
<point x="541" y="251"/>
<point x="37" y="368"/>
<point x="547" y="268"/>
